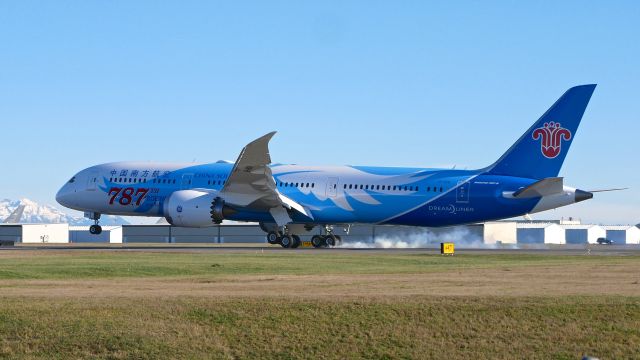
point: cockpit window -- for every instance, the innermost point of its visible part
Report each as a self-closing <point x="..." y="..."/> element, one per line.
<point x="72" y="180"/>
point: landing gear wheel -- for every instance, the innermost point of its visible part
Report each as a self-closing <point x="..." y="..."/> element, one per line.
<point x="330" y="240"/>
<point x="296" y="241"/>
<point x="272" y="237"/>
<point x="317" y="241"/>
<point x="95" y="229"/>
<point x="286" y="241"/>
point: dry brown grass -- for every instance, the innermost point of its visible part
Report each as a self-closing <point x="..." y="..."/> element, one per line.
<point x="478" y="307"/>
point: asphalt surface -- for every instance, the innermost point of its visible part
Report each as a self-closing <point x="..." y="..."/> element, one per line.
<point x="607" y="250"/>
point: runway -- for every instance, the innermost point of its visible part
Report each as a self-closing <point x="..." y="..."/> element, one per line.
<point x="601" y="250"/>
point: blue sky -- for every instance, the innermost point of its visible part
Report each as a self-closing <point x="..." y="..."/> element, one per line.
<point x="346" y="82"/>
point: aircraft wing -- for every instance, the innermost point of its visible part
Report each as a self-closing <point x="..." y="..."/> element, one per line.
<point x="251" y="185"/>
<point x="15" y="216"/>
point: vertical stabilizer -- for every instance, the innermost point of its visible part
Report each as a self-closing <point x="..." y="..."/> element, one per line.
<point x="541" y="150"/>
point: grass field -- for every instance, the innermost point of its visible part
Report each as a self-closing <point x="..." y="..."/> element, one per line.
<point x="249" y="304"/>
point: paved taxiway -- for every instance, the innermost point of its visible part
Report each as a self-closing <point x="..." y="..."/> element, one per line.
<point x="608" y="250"/>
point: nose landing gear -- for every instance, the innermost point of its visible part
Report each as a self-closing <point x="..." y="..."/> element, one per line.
<point x="94" y="229"/>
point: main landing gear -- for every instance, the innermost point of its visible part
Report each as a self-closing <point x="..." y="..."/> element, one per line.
<point x="286" y="240"/>
<point x="323" y="241"/>
<point x="94" y="229"/>
<point x="291" y="241"/>
<point x="328" y="240"/>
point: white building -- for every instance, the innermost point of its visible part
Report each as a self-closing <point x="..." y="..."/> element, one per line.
<point x="540" y="233"/>
<point x="624" y="234"/>
<point x="81" y="234"/>
<point x="583" y="234"/>
<point x="35" y="233"/>
<point x="500" y="232"/>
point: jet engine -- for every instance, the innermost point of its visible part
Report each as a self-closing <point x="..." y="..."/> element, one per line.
<point x="193" y="208"/>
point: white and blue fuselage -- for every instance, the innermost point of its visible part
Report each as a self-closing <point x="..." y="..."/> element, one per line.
<point x="333" y="195"/>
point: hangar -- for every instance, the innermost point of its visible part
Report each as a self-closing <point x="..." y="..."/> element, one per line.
<point x="110" y="234"/>
<point x="490" y="233"/>
<point x="623" y="234"/>
<point x="540" y="233"/>
<point x="500" y="232"/>
<point x="583" y="234"/>
<point x="35" y="233"/>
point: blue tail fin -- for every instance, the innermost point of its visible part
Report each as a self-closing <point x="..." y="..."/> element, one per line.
<point x="540" y="152"/>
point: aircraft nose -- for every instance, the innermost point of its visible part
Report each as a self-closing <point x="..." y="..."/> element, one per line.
<point x="63" y="197"/>
<point x="582" y="195"/>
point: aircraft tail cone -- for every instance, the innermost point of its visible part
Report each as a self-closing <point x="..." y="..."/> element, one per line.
<point x="582" y="195"/>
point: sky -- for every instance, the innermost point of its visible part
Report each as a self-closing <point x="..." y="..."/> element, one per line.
<point x="432" y="84"/>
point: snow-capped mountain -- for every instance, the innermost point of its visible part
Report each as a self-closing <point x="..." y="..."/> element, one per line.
<point x="47" y="214"/>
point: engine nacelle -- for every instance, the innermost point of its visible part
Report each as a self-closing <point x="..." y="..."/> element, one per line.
<point x="193" y="208"/>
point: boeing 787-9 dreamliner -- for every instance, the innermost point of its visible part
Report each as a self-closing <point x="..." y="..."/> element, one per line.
<point x="288" y="200"/>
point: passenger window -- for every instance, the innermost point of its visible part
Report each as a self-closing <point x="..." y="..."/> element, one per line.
<point x="440" y="188"/>
<point x="312" y="185"/>
<point x="307" y="185"/>
<point x="416" y="188"/>
<point x="428" y="188"/>
<point x="350" y="186"/>
<point x="366" y="187"/>
<point x="360" y="186"/>
<point x="394" y="187"/>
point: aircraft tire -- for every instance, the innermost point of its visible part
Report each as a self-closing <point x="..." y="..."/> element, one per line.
<point x="317" y="241"/>
<point x="330" y="240"/>
<point x="296" y="241"/>
<point x="95" y="229"/>
<point x="272" y="238"/>
<point x="286" y="241"/>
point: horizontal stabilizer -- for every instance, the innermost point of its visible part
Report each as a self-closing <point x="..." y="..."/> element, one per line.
<point x="544" y="187"/>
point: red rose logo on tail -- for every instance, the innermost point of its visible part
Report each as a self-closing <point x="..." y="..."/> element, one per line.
<point x="551" y="134"/>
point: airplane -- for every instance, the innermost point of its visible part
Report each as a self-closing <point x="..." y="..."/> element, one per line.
<point x="289" y="200"/>
<point x="15" y="216"/>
